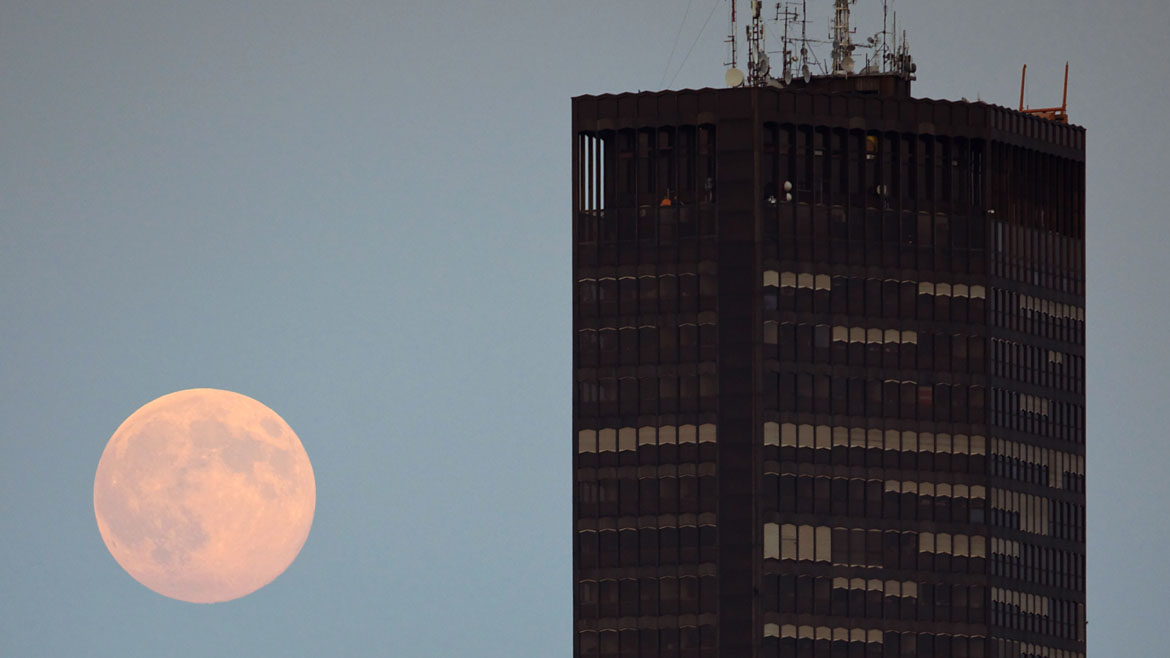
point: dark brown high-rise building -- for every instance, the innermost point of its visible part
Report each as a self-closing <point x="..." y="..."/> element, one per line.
<point x="829" y="375"/>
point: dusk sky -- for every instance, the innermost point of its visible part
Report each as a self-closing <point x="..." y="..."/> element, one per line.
<point x="358" y="213"/>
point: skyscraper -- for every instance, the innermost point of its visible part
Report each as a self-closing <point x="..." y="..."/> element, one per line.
<point x="828" y="375"/>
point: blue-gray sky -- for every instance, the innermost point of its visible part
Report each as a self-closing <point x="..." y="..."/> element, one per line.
<point x="357" y="212"/>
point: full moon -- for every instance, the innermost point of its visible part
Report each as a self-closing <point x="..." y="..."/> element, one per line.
<point x="204" y="495"/>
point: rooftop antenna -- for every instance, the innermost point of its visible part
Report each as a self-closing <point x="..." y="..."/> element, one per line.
<point x="882" y="51"/>
<point x="877" y="59"/>
<point x="901" y="62"/>
<point x="734" y="77"/>
<point x="788" y="59"/>
<point x="758" y="65"/>
<point x="885" y="52"/>
<point x="1023" y="80"/>
<point x="842" y="39"/>
<point x="893" y="56"/>
<point x="805" y="73"/>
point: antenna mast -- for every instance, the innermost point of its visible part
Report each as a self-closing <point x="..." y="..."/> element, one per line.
<point x="884" y="55"/>
<point x="734" y="76"/>
<point x="788" y="59"/>
<point x="758" y="65"/>
<point x="805" y="73"/>
<point x="731" y="37"/>
<point x="842" y="39"/>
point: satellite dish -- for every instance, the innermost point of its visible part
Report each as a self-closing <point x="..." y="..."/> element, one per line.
<point x="847" y="64"/>
<point x="787" y="77"/>
<point x="733" y="77"/>
<point x="765" y="65"/>
<point x="805" y="73"/>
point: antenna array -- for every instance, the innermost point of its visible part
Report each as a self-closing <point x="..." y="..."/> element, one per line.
<point x="885" y="53"/>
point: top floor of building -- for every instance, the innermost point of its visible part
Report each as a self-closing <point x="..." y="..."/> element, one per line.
<point x="873" y="103"/>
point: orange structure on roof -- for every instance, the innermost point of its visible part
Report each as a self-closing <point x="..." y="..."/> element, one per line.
<point x="1054" y="113"/>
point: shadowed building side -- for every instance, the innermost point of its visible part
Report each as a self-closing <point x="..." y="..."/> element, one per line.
<point x="828" y="371"/>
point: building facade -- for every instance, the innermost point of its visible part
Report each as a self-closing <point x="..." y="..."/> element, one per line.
<point x="828" y="376"/>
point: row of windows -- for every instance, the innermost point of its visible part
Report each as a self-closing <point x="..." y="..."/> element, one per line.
<point x="1021" y="511"/>
<point x="609" y="396"/>
<point x="1035" y="415"/>
<point x="890" y="298"/>
<point x="628" y="167"/>
<point x="858" y="446"/>
<point x="907" y="460"/>
<point x="669" y="162"/>
<point x="647" y="186"/>
<point x="1037" y="564"/>
<point x="646" y="456"/>
<point x="1036" y="465"/>
<point x="837" y="345"/>
<point x="874" y="169"/>
<point x="684" y="522"/>
<point x="1039" y="257"/>
<point x="626" y="257"/>
<point x="824" y="294"/>
<point x="668" y="495"/>
<point x="646" y="344"/>
<point x="1034" y="404"/>
<point x="829" y="642"/>
<point x="648" y="294"/>
<point x="805" y="436"/>
<point x="1039" y="366"/>
<point x="873" y="348"/>
<point x="941" y="502"/>
<point x="1038" y="515"/>
<point x="890" y="398"/>
<point x="1038" y="316"/>
<point x="667" y="454"/>
<point x="826" y="436"/>
<point x="790" y="641"/>
<point x="1035" y="613"/>
<point x="890" y="549"/>
<point x="888" y="599"/>
<point x="692" y="641"/>
<point x="670" y="292"/>
<point x="1015" y="649"/>
<point x="646" y="546"/>
<point x="891" y="499"/>
<point x="629" y="438"/>
<point x="634" y="597"/>
<point x="874" y="238"/>
<point x="1032" y="304"/>
<point x="875" y="499"/>
<point x="648" y="224"/>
